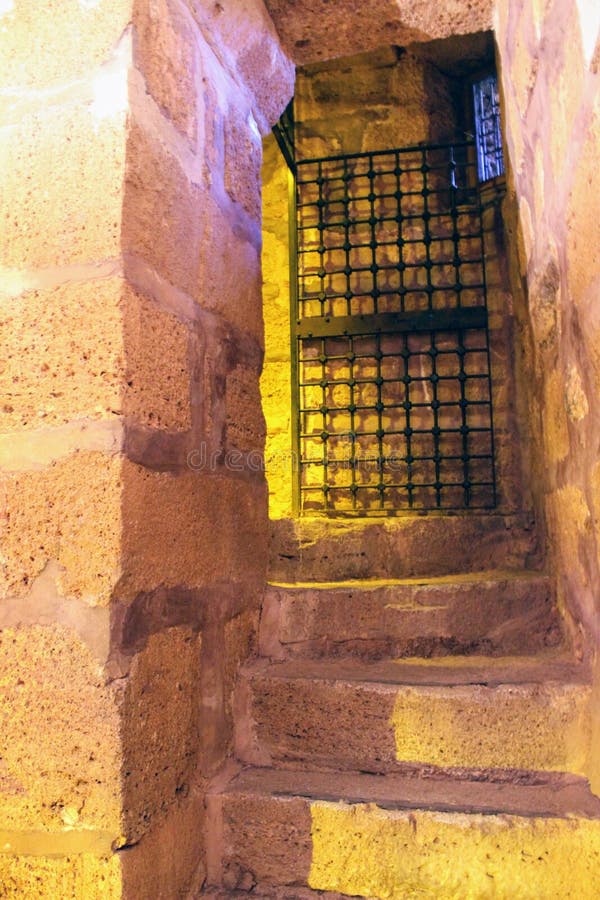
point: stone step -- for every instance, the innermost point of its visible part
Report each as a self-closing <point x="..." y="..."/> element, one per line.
<point x="468" y="714"/>
<point x="395" y="837"/>
<point x="487" y="613"/>
<point x="320" y="549"/>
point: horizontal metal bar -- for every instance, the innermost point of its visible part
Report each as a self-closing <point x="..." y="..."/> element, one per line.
<point x="424" y="320"/>
<point x="415" y="148"/>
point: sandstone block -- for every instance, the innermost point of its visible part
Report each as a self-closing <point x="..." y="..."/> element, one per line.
<point x="228" y="274"/>
<point x="69" y="512"/>
<point x="162" y="210"/>
<point x="156" y="391"/>
<point x="284" y="830"/>
<point x="377" y="619"/>
<point x="59" y="735"/>
<point x="249" y="46"/>
<point x="452" y="712"/>
<point x="191" y="529"/>
<point x="244" y="419"/>
<point x="64" y="355"/>
<point x="59" y="42"/>
<point x="160" y="727"/>
<point x="582" y="216"/>
<point x="63" y="195"/>
<point x="165" y="52"/>
<point x="243" y="158"/>
<point x="84" y="877"/>
<point x="167" y="861"/>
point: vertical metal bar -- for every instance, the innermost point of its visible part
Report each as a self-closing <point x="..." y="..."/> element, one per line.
<point x="347" y="267"/>
<point x="426" y="227"/>
<point x="353" y="461"/>
<point x="436" y="424"/>
<point x="407" y="421"/>
<point x="296" y="466"/>
<point x="487" y="345"/>
<point x="464" y="430"/>
<point x="373" y="242"/>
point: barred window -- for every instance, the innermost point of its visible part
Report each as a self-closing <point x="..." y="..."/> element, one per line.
<point x="490" y="161"/>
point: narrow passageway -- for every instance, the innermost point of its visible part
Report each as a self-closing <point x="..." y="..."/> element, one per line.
<point x="416" y="722"/>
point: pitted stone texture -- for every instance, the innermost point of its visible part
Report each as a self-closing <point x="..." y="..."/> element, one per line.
<point x="59" y="735"/>
<point x="462" y="713"/>
<point x="166" y="54"/>
<point x="196" y="528"/>
<point x="422" y="546"/>
<point x="63" y="200"/>
<point x="556" y="95"/>
<point x="162" y="210"/>
<point x="371" y="102"/>
<point x="69" y="512"/>
<point x="244" y="419"/>
<point x="311" y="31"/>
<point x="64" y="355"/>
<point x="157" y="390"/>
<point x="274" y="835"/>
<point x="160" y="727"/>
<point x="229" y="277"/>
<point x="167" y="862"/>
<point x="242" y="158"/>
<point x="64" y="42"/>
<point x="84" y="877"/>
<point x="495" y="613"/>
<point x="243" y="37"/>
<point x="89" y="350"/>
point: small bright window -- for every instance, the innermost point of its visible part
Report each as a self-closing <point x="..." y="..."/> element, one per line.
<point x="490" y="162"/>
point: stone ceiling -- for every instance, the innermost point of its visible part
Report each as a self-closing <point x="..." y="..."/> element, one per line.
<point x="315" y="30"/>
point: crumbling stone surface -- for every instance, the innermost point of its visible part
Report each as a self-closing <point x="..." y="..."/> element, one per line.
<point x="311" y="31"/>
<point x="59" y="734"/>
<point x="552" y="107"/>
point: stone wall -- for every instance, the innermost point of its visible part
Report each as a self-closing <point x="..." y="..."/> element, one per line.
<point x="551" y="84"/>
<point x="134" y="533"/>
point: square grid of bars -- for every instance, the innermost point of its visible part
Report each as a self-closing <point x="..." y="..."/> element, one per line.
<point x="394" y="395"/>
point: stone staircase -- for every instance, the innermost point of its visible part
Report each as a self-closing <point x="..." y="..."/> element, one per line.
<point x="414" y="725"/>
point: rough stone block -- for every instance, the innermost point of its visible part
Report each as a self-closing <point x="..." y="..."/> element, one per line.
<point x="69" y="512"/>
<point x="191" y="529"/>
<point x="243" y="159"/>
<point x="165" y="52"/>
<point x="59" y="735"/>
<point x="162" y="210"/>
<point x="160" y="727"/>
<point x="60" y="41"/>
<point x="64" y="187"/>
<point x="84" y="877"/>
<point x="168" y="860"/>
<point x="244" y="419"/>
<point x="376" y="619"/>
<point x="64" y="355"/>
<point x="156" y="392"/>
<point x="229" y="276"/>
<point x="355" y="852"/>
<point x="451" y="712"/>
<point x="582" y="216"/>
<point x="249" y="46"/>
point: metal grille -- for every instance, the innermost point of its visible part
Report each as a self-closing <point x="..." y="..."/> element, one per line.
<point x="391" y="345"/>
<point x="486" y="104"/>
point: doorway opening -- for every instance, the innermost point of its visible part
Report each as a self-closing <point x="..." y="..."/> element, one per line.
<point x="389" y="392"/>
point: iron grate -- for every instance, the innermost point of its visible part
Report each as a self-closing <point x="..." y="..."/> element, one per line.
<point x="394" y="407"/>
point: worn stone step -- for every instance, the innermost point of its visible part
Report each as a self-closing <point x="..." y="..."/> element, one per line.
<point x="493" y="613"/>
<point x="489" y="715"/>
<point x="319" y="549"/>
<point x="395" y="837"/>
